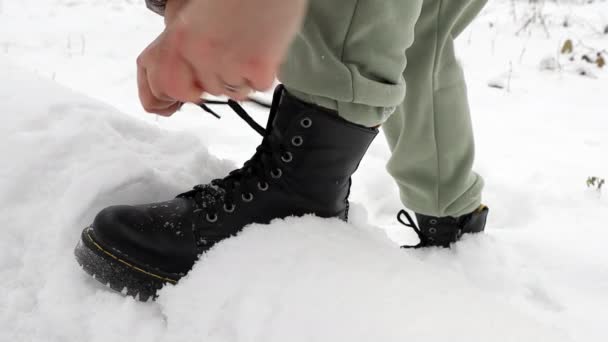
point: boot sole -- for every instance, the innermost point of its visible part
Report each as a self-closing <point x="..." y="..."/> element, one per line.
<point x="116" y="271"/>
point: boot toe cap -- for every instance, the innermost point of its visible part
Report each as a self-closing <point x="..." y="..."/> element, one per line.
<point x="137" y="235"/>
<point x="118" y="225"/>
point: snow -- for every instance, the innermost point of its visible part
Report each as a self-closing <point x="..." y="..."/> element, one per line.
<point x="539" y="273"/>
<point x="335" y="282"/>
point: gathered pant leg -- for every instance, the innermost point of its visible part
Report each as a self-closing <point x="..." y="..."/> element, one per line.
<point x="392" y="63"/>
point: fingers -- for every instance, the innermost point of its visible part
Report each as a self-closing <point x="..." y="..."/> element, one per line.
<point x="220" y="74"/>
<point x="260" y="76"/>
<point x="174" y="81"/>
<point x="222" y="83"/>
<point x="234" y="85"/>
<point x="164" y="80"/>
<point x="238" y="93"/>
<point x="174" y="70"/>
<point x="150" y="102"/>
<point x="210" y="81"/>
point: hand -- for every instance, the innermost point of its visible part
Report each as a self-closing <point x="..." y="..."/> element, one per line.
<point x="164" y="80"/>
<point x="172" y="8"/>
<point x="211" y="45"/>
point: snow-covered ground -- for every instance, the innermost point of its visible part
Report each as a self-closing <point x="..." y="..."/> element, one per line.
<point x="540" y="273"/>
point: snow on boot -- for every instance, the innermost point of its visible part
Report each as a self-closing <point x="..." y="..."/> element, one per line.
<point x="303" y="166"/>
<point x="443" y="231"/>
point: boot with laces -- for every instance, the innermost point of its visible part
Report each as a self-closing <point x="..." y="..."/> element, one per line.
<point x="303" y="166"/>
<point x="444" y="231"/>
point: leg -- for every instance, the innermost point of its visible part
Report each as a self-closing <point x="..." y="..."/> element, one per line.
<point x="355" y="64"/>
<point x="430" y="134"/>
<point x="350" y="57"/>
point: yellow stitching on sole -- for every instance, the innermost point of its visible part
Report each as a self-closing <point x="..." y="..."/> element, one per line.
<point x="128" y="264"/>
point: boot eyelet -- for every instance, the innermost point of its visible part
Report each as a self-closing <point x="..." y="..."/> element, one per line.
<point x="211" y="218"/>
<point x="263" y="187"/>
<point x="306" y="122"/>
<point x="276" y="173"/>
<point x="433" y="221"/>
<point x="229" y="209"/>
<point x="287" y="157"/>
<point x="297" y="141"/>
<point x="432" y="230"/>
<point x="248" y="197"/>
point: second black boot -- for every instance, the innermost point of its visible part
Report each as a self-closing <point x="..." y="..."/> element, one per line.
<point x="303" y="166"/>
<point x="443" y="231"/>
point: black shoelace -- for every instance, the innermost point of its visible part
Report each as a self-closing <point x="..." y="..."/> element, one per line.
<point x="254" y="176"/>
<point x="433" y="236"/>
<point x="410" y="223"/>
<point x="240" y="111"/>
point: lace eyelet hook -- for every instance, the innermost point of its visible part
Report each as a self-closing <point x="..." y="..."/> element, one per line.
<point x="211" y="218"/>
<point x="264" y="187"/>
<point x="276" y="173"/>
<point x="287" y="157"/>
<point x="297" y="141"/>
<point x="306" y="122"/>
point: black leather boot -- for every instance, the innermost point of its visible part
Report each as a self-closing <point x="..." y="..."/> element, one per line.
<point x="303" y="166"/>
<point x="443" y="231"/>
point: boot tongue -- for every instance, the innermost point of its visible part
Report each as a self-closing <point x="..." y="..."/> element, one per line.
<point x="283" y="114"/>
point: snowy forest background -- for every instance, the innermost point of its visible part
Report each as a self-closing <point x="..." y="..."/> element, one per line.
<point x="73" y="139"/>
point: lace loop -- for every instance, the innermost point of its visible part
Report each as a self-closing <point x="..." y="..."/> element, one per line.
<point x="440" y="232"/>
<point x="410" y="223"/>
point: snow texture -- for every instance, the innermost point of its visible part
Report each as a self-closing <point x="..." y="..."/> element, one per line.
<point x="540" y="273"/>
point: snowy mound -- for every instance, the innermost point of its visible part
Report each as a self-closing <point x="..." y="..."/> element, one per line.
<point x="311" y="279"/>
<point x="66" y="156"/>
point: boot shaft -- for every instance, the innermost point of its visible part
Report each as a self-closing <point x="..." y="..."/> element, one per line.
<point x="322" y="150"/>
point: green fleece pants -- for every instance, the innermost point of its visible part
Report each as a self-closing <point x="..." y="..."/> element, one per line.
<point x="392" y="63"/>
